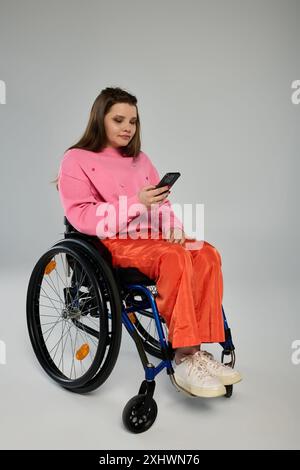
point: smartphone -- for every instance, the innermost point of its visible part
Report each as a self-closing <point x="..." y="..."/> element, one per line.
<point x="169" y="179"/>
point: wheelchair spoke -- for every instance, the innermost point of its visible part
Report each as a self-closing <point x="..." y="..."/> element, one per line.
<point x="48" y="306"/>
<point x="50" y="298"/>
<point x="92" y="321"/>
<point x="60" y="299"/>
<point x="62" y="348"/>
<point x="52" y="328"/>
<point x="86" y="338"/>
<point x="73" y="355"/>
<point x="54" y="306"/>
<point x="60" y="340"/>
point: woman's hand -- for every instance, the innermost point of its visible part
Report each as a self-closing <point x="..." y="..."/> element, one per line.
<point x="175" y="235"/>
<point x="151" y="195"/>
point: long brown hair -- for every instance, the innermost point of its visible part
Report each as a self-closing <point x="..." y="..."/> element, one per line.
<point x="94" y="137"/>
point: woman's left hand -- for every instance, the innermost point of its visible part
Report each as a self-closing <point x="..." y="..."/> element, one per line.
<point x="175" y="235"/>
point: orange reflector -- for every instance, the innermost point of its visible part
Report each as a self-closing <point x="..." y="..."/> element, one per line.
<point x="132" y="317"/>
<point x="82" y="352"/>
<point x="50" y="266"/>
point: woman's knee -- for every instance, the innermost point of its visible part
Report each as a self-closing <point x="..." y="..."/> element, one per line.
<point x="211" y="254"/>
<point x="177" y="256"/>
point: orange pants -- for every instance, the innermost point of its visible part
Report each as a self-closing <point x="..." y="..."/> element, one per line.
<point x="189" y="284"/>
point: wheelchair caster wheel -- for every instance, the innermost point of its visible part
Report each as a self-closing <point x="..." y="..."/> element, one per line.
<point x="229" y="390"/>
<point x="135" y="417"/>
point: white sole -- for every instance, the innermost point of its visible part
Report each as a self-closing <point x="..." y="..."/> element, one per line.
<point x="230" y="381"/>
<point x="202" y="392"/>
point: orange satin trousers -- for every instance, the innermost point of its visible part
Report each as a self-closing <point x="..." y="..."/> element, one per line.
<point x="189" y="285"/>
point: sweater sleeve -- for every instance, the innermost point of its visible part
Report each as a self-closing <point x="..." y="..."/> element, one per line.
<point x="166" y="211"/>
<point x="84" y="210"/>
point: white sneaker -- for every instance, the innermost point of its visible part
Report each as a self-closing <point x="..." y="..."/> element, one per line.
<point x="196" y="379"/>
<point x="226" y="374"/>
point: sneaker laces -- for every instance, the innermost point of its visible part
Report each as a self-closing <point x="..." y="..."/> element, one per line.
<point x="204" y="356"/>
<point x="207" y="354"/>
<point x="199" y="369"/>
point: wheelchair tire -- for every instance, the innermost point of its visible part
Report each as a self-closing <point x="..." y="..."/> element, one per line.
<point x="135" y="417"/>
<point x="89" y="306"/>
<point x="229" y="390"/>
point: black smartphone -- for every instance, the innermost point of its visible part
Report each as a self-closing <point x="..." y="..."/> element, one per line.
<point x="168" y="179"/>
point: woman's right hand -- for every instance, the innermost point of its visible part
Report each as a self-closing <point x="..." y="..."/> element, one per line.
<point x="150" y="195"/>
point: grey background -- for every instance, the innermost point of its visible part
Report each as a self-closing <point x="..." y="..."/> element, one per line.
<point x="213" y="82"/>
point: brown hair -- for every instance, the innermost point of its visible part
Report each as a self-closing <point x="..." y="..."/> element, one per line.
<point x="94" y="137"/>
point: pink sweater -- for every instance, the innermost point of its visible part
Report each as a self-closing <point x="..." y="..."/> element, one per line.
<point x="90" y="184"/>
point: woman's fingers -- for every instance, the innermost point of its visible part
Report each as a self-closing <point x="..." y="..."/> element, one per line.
<point x="161" y="197"/>
<point x="151" y="195"/>
<point x="161" y="190"/>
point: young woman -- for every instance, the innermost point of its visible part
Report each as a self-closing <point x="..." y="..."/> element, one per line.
<point x="107" y="168"/>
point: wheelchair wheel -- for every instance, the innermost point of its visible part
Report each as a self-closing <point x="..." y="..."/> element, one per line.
<point x="136" y="417"/>
<point x="72" y="317"/>
<point x="229" y="390"/>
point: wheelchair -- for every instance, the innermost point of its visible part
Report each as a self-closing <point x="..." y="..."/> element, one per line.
<point x="76" y="304"/>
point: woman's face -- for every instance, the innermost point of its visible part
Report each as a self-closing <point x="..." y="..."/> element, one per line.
<point x="120" y="124"/>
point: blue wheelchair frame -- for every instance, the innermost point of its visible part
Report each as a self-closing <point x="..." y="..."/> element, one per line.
<point x="150" y="370"/>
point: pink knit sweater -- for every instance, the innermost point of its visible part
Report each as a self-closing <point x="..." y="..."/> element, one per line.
<point x="99" y="193"/>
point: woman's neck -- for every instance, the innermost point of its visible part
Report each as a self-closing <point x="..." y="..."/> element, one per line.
<point x="112" y="151"/>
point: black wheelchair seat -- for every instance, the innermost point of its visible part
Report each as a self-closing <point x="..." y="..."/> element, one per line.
<point x="124" y="275"/>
